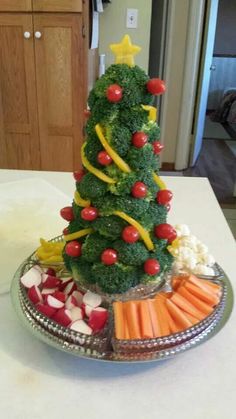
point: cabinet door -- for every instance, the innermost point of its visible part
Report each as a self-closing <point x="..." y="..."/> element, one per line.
<point x="61" y="72"/>
<point x="57" y="5"/>
<point x="15" y="5"/>
<point x="19" y="142"/>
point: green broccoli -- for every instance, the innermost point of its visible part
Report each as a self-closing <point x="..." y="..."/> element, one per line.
<point x="152" y="130"/>
<point x="164" y="258"/>
<point x="82" y="271"/>
<point x="131" y="253"/>
<point x="91" y="187"/>
<point x="134" y="118"/>
<point x="142" y="158"/>
<point x="93" y="246"/>
<point x="109" y="203"/>
<point x="155" y="214"/>
<point x="119" y="137"/>
<point x="146" y="176"/>
<point x="78" y="221"/>
<point x="115" y="278"/>
<point x="110" y="226"/>
<point x="93" y="147"/>
<point x="123" y="184"/>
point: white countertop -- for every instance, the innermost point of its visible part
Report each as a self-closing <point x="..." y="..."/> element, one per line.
<point x="37" y="381"/>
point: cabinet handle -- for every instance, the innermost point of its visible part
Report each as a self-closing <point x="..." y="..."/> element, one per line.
<point x="27" y="35"/>
<point x="38" y="35"/>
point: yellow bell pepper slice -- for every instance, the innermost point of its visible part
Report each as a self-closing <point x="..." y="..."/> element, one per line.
<point x="115" y="157"/>
<point x="143" y="233"/>
<point x="80" y="201"/>
<point x="93" y="169"/>
<point x="159" y="181"/>
<point x="78" y="234"/>
<point x="152" y="112"/>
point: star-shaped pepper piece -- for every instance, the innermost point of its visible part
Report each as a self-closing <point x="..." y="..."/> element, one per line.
<point x="125" y="51"/>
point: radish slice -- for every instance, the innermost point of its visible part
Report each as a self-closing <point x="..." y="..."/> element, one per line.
<point x="60" y="296"/>
<point x="71" y="287"/>
<point x="92" y="299"/>
<point x="54" y="302"/>
<point x="46" y="291"/>
<point x="76" y="314"/>
<point x="31" y="278"/>
<point x="50" y="281"/>
<point x="79" y="297"/>
<point x="63" y="317"/>
<point x="98" y="318"/>
<point x="81" y="327"/>
<point x="35" y="295"/>
<point x="64" y="283"/>
<point x="46" y="310"/>
<point x="88" y="310"/>
<point x="51" y="272"/>
<point x="71" y="302"/>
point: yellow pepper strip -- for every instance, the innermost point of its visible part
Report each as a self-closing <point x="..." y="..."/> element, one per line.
<point x="54" y="258"/>
<point x="158" y="181"/>
<point x="50" y="251"/>
<point x="80" y="201"/>
<point x="78" y="234"/>
<point x="93" y="169"/>
<point x="143" y="233"/>
<point x="115" y="157"/>
<point x="152" y="112"/>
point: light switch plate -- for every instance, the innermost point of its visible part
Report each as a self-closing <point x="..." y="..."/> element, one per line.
<point x="132" y="18"/>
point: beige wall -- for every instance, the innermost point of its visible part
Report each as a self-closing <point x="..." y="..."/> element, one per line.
<point x="113" y="28"/>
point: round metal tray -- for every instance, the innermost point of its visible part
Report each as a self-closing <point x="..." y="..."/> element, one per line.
<point x="100" y="348"/>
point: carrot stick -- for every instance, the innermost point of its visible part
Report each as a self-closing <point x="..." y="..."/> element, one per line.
<point x="126" y="329"/>
<point x="178" y="315"/>
<point x="172" y="326"/>
<point x="200" y="305"/>
<point x="203" y="295"/>
<point x="145" y="320"/>
<point x="185" y="305"/>
<point x="132" y="317"/>
<point x="203" y="285"/>
<point x="192" y="319"/>
<point x="211" y="286"/>
<point x="165" y="328"/>
<point x="119" y="320"/>
<point x="156" y="328"/>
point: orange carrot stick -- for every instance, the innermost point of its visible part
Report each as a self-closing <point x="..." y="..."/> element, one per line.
<point x="172" y="326"/>
<point x="185" y="305"/>
<point x="164" y="324"/>
<point x="211" y="286"/>
<point x="199" y="304"/>
<point x="156" y="328"/>
<point x="119" y="320"/>
<point x="203" y="285"/>
<point x="132" y="317"/>
<point x="145" y="320"/>
<point x="192" y="319"/>
<point x="203" y="295"/>
<point x="178" y="315"/>
<point x="126" y="329"/>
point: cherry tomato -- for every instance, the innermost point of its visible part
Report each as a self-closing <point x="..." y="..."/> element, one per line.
<point x="130" y="234"/>
<point x="165" y="231"/>
<point x="139" y="139"/>
<point x="109" y="256"/>
<point x="139" y="190"/>
<point x="114" y="93"/>
<point x="89" y="213"/>
<point x="65" y="231"/>
<point x="151" y="267"/>
<point x="164" y="196"/>
<point x="104" y="158"/>
<point x="157" y="147"/>
<point x="87" y="113"/>
<point x="78" y="175"/>
<point x="67" y="213"/>
<point x="156" y="86"/>
<point x="73" y="249"/>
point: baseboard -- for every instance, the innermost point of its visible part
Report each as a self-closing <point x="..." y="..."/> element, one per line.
<point x="169" y="167"/>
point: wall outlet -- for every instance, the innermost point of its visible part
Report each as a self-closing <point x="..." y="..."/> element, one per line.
<point x="132" y="18"/>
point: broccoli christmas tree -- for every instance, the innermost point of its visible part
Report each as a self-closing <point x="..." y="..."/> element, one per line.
<point x="117" y="235"/>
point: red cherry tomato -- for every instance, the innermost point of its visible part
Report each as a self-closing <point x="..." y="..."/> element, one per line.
<point x="104" y="158"/>
<point x="114" y="93"/>
<point x="130" y="234"/>
<point x="157" y="147"/>
<point x="87" y="113"/>
<point x="78" y="175"/>
<point x="164" y="196"/>
<point x="73" y="249"/>
<point x="89" y="213"/>
<point x="139" y="139"/>
<point x="109" y="256"/>
<point x="165" y="231"/>
<point x="67" y="213"/>
<point x="156" y="86"/>
<point x="65" y="231"/>
<point x="139" y="190"/>
<point x="151" y="267"/>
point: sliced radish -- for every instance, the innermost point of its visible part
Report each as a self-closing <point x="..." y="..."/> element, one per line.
<point x="76" y="314"/>
<point x="46" y="310"/>
<point x="81" y="327"/>
<point x="88" y="309"/>
<point x="92" y="299"/>
<point x="71" y="287"/>
<point x="46" y="291"/>
<point x="60" y="296"/>
<point x="83" y="309"/>
<point x="78" y="296"/>
<point x="35" y="295"/>
<point x="63" y="317"/>
<point x="54" y="302"/>
<point x="31" y="278"/>
<point x="71" y="302"/>
<point x="64" y="283"/>
<point x="98" y="318"/>
<point x="50" y="281"/>
<point x="51" y="272"/>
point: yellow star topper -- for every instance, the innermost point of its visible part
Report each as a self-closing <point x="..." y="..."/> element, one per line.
<point x="125" y="51"/>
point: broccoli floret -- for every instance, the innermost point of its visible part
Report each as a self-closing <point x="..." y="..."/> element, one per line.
<point x="131" y="254"/>
<point x="78" y="223"/>
<point x="146" y="176"/>
<point x="91" y="187"/>
<point x="142" y="158"/>
<point x="82" y="271"/>
<point x="152" y="130"/>
<point x="133" y="207"/>
<point x="119" y="138"/>
<point x="123" y="184"/>
<point x="93" y="246"/>
<point x="110" y="226"/>
<point x="164" y="258"/>
<point x="93" y="147"/>
<point x="133" y="118"/>
<point x="155" y="214"/>
<point x="115" y="278"/>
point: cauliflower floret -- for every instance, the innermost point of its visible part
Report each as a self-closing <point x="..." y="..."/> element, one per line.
<point x="182" y="230"/>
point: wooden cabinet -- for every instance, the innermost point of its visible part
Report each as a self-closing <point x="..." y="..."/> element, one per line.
<point x="43" y="86"/>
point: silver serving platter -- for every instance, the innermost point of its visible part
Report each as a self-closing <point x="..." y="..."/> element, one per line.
<point x="100" y="347"/>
